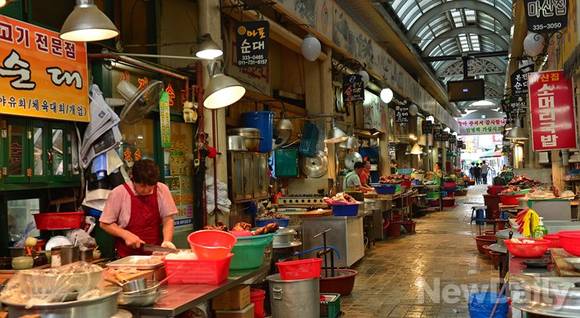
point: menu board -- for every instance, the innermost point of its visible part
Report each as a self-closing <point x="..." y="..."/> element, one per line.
<point x="252" y="43"/>
<point x="402" y="114"/>
<point x="353" y="88"/>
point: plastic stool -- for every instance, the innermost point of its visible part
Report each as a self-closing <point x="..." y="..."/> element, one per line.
<point x="474" y="215"/>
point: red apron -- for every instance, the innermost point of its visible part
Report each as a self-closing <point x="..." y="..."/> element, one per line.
<point x="145" y="222"/>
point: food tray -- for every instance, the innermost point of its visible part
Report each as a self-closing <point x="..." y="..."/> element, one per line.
<point x="137" y="262"/>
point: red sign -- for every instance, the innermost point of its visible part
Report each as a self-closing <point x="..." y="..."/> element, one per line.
<point x="552" y="111"/>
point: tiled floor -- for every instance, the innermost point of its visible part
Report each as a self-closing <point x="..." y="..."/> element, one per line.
<point x="428" y="274"/>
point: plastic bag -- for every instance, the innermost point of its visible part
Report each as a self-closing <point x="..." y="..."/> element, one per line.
<point x="481" y="305"/>
<point x="52" y="285"/>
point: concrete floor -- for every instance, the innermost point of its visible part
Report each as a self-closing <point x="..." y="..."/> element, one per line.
<point x="428" y="274"/>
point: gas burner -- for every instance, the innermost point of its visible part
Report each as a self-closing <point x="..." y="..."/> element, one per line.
<point x="307" y="200"/>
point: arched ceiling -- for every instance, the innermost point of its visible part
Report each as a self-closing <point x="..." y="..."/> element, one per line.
<point x="473" y="28"/>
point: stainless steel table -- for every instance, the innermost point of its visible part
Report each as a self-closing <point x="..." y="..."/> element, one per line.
<point x="177" y="299"/>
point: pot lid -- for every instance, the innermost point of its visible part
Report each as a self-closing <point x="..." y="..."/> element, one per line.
<point x="498" y="248"/>
<point x="287" y="245"/>
<point x="315" y="167"/>
<point x="285" y="231"/>
<point x="351" y="158"/>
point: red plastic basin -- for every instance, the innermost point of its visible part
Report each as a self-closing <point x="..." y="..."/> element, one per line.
<point x="211" y="244"/>
<point x="482" y="240"/>
<point x="511" y="199"/>
<point x="528" y="250"/>
<point x="341" y="283"/>
<point x="554" y="240"/>
<point x="570" y="242"/>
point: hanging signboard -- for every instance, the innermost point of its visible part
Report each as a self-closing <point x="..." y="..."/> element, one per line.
<point x="402" y="114"/>
<point x="487" y="126"/>
<point x="553" y="120"/>
<point x="519" y="80"/>
<point x="437" y="132"/>
<point x="546" y="16"/>
<point x="252" y="43"/>
<point x="42" y="75"/>
<point x="427" y="127"/>
<point x="353" y="88"/>
<point x="165" y="120"/>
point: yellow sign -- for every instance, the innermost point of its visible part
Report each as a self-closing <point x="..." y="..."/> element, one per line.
<point x="41" y="75"/>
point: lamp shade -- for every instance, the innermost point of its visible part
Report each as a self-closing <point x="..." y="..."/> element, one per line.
<point x="534" y="44"/>
<point x="364" y="75"/>
<point x="413" y="110"/>
<point x="311" y="48"/>
<point x="335" y="135"/>
<point x="87" y="23"/>
<point x="517" y="133"/>
<point x="416" y="150"/>
<point x="208" y="49"/>
<point x="222" y="91"/>
<point x="386" y="95"/>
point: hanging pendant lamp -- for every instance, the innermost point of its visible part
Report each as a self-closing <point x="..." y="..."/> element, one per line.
<point x="208" y="49"/>
<point x="86" y="23"/>
<point x="222" y="90"/>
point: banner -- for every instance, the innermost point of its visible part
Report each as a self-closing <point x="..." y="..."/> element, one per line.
<point x="165" y="120"/>
<point x="487" y="126"/>
<point x="41" y="75"/>
<point x="553" y="119"/>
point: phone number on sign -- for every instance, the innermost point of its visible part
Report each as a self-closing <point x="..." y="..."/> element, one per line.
<point x="547" y="27"/>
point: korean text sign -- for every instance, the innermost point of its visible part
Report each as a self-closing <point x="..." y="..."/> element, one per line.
<point x="553" y="119"/>
<point x="41" y="75"/>
<point x="252" y="43"/>
<point x="483" y="126"/>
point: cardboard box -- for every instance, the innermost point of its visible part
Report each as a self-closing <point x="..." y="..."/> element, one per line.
<point x="236" y="298"/>
<point x="247" y="312"/>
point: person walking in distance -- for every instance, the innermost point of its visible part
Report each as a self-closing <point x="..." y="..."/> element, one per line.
<point x="477" y="173"/>
<point x="484" y="171"/>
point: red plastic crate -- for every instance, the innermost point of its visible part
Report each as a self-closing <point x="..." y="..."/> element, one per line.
<point x="300" y="269"/>
<point x="52" y="221"/>
<point x="212" y="272"/>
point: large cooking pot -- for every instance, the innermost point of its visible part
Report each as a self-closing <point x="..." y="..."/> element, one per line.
<point x="284" y="238"/>
<point x="252" y="137"/>
<point x="103" y="306"/>
<point x="236" y="143"/>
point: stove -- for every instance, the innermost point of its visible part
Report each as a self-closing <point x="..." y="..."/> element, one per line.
<point x="302" y="200"/>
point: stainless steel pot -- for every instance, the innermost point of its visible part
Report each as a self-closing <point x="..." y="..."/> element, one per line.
<point x="236" y="143"/>
<point x="294" y="298"/>
<point x="251" y="137"/>
<point x="104" y="306"/>
<point x="284" y="237"/>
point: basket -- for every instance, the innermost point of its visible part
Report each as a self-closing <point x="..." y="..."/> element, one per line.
<point x="570" y="241"/>
<point x="329" y="305"/>
<point x="345" y="210"/>
<point x="212" y="272"/>
<point x="528" y="250"/>
<point x="249" y="251"/>
<point x="211" y="244"/>
<point x="280" y="222"/>
<point x="301" y="269"/>
<point x="385" y="188"/>
<point x="52" y="221"/>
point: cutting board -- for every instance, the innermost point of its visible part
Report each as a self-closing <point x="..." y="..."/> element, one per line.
<point x="562" y="267"/>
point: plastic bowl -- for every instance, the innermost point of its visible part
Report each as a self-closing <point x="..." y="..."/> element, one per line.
<point x="482" y="240"/>
<point x="554" y="239"/>
<point x="570" y="241"/>
<point x="211" y="244"/>
<point x="528" y="250"/>
<point x="249" y="251"/>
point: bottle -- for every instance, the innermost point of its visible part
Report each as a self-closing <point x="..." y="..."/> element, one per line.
<point x="540" y="230"/>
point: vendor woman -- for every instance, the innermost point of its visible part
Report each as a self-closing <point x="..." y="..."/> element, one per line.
<point x="140" y="211"/>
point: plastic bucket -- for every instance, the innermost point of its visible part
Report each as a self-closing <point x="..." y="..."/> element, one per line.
<point x="249" y="251"/>
<point x="257" y="297"/>
<point x="481" y="305"/>
<point x="301" y="269"/>
<point x="264" y="121"/>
